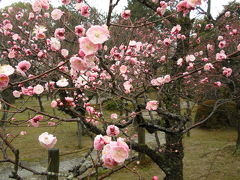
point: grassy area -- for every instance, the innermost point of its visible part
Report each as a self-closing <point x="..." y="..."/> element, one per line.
<point x="30" y="149"/>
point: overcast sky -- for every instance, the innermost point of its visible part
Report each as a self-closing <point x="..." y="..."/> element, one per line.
<point x="217" y="5"/>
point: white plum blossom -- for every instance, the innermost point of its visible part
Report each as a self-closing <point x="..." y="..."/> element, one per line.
<point x="47" y="140"/>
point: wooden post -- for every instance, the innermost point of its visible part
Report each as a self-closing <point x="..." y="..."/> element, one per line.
<point x="4" y="115"/>
<point x="79" y="134"/>
<point x="141" y="141"/>
<point x="53" y="163"/>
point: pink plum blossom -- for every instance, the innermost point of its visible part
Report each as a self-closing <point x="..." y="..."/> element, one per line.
<point x="227" y="71"/>
<point x="38" y="5"/>
<point x="39" y="31"/>
<point x="194" y="3"/>
<point x="208" y="67"/>
<point x="167" y="41"/>
<point x="66" y="2"/>
<point x="210" y="47"/>
<point x="180" y="62"/>
<point x="38" y="89"/>
<point x="47" y="140"/>
<point x="64" y="52"/>
<point x="123" y="69"/>
<point x="78" y="64"/>
<point x="54" y="104"/>
<point x="59" y="33"/>
<point x="176" y="29"/>
<point x="55" y="44"/>
<point x="126" y="14"/>
<point x="114" y="116"/>
<point x="79" y="30"/>
<point x="22" y="133"/>
<point x="17" y="94"/>
<point x="35" y="120"/>
<point x="85" y="10"/>
<point x="90" y="60"/>
<point x="190" y="58"/>
<point x="114" y="153"/>
<point x="108" y="161"/>
<point x="62" y="67"/>
<point x="238" y="47"/>
<point x="87" y="46"/>
<point x="184" y="6"/>
<point x="112" y="130"/>
<point x="23" y="66"/>
<point x="51" y="123"/>
<point x="220" y="38"/>
<point x="152" y="105"/>
<point x="127" y="86"/>
<point x="221" y="56"/>
<point x="100" y="141"/>
<point x="4" y="80"/>
<point x="167" y="78"/>
<point x="227" y="14"/>
<point x="98" y="34"/>
<point x="27" y="91"/>
<point x="209" y="26"/>
<point x="222" y="44"/>
<point x="63" y="82"/>
<point x="11" y="54"/>
<point x="218" y="83"/>
<point x="162" y="9"/>
<point x="56" y="14"/>
<point x="204" y="80"/>
<point x="90" y="110"/>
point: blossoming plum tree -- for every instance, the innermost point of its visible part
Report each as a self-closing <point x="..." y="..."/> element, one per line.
<point x="150" y="71"/>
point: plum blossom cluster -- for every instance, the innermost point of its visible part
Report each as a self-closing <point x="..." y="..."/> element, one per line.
<point x="162" y="8"/>
<point x="186" y="6"/>
<point x="7" y="70"/>
<point x="36" y="120"/>
<point x="29" y="91"/>
<point x="113" y="152"/>
<point x="68" y="102"/>
<point x="161" y="80"/>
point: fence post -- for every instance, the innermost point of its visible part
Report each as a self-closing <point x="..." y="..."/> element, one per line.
<point x="53" y="163"/>
<point x="141" y="141"/>
<point x="79" y="133"/>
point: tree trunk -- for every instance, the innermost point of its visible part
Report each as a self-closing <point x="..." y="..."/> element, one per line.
<point x="174" y="153"/>
<point x="175" y="171"/>
<point x="238" y="134"/>
<point x="4" y="115"/>
<point x="141" y="141"/>
<point x="40" y="103"/>
<point x="238" y="128"/>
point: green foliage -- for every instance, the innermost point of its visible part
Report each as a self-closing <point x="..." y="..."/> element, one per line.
<point x="138" y="11"/>
<point x="225" y="115"/>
